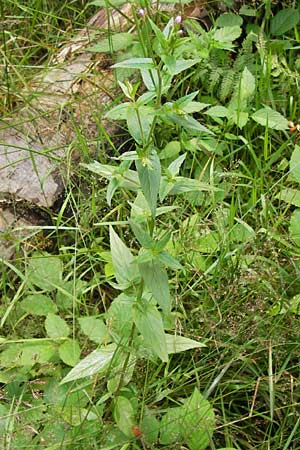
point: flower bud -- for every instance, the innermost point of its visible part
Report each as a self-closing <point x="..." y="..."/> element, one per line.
<point x="178" y="20"/>
<point x="141" y="13"/>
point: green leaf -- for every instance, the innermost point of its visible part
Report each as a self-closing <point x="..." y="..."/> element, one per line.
<point x="248" y="11"/>
<point x="116" y="371"/>
<point x="149" y="322"/>
<point x="119" y="112"/>
<point x="93" y="328"/>
<point x="56" y="327"/>
<point x="149" y="172"/>
<point x="217" y="111"/>
<point x="45" y="271"/>
<point x="113" y="185"/>
<point x="240" y="118"/>
<point x="95" y="362"/>
<point x="128" y="179"/>
<point x="171" y="426"/>
<point x="27" y="354"/>
<point x="38" y="304"/>
<point x="40" y="353"/>
<point x="267" y="117"/>
<point x="156" y="280"/>
<point x="150" y="79"/>
<point x="171" y="150"/>
<point x="160" y="42"/>
<point x="175" y="165"/>
<point x="295" y="165"/>
<point x="136" y="63"/>
<point x="141" y="234"/>
<point x="176" y="344"/>
<point x="183" y="2"/>
<point x="192" y="107"/>
<point x="183" y="184"/>
<point x="229" y="20"/>
<point x="69" y="352"/>
<point x="284" y="21"/>
<point x="188" y="122"/>
<point x="69" y="293"/>
<point x="294" y="227"/>
<point x="289" y="195"/>
<point x="198" y="421"/>
<point x="106" y="3"/>
<point x="124" y="415"/>
<point x="126" y="271"/>
<point x="181" y="65"/>
<point x="139" y="122"/>
<point x="115" y="43"/>
<point x="150" y="428"/>
<point x="247" y="85"/>
<point x="119" y="315"/>
<point x="227" y="34"/>
<point x="169" y="261"/>
<point x="292" y="306"/>
<point x="209" y="242"/>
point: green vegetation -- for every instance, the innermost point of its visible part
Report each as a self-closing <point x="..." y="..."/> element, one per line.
<point x="163" y="312"/>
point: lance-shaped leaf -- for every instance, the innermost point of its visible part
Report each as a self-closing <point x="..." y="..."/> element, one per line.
<point x="139" y="122"/>
<point x="128" y="178"/>
<point x="95" y="362"/>
<point x="136" y="63"/>
<point x="141" y="234"/>
<point x="188" y="122"/>
<point x="176" y="344"/>
<point x="149" y="172"/>
<point x="126" y="270"/>
<point x="156" y="280"/>
<point x="149" y="323"/>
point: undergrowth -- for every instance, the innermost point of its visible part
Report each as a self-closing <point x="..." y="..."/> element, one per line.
<point x="160" y="309"/>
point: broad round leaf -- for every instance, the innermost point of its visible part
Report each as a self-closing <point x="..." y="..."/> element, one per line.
<point x="124" y="416"/>
<point x="284" y="21"/>
<point x="294" y="227"/>
<point x="115" y="43"/>
<point x="93" y="328"/>
<point x="295" y="165"/>
<point x="198" y="421"/>
<point x="56" y="327"/>
<point x="45" y="271"/>
<point x="38" y="304"/>
<point x="69" y="352"/>
<point x="267" y="117"/>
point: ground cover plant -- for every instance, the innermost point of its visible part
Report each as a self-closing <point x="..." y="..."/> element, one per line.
<point x="162" y="310"/>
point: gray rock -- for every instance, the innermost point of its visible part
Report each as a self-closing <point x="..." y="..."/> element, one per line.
<point x="28" y="171"/>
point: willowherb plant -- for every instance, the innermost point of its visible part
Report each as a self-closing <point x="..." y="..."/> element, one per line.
<point x="136" y="317"/>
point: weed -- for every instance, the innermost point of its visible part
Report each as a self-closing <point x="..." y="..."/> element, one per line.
<point x="165" y="311"/>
